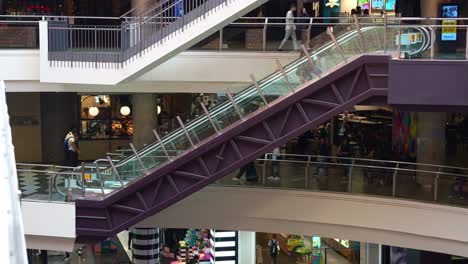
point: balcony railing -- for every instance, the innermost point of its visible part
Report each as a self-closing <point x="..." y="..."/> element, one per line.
<point x="396" y="179"/>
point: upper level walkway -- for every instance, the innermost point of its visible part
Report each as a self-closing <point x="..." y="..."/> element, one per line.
<point x="84" y="51"/>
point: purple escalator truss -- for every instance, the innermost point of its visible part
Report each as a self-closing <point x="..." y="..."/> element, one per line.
<point x="361" y="81"/>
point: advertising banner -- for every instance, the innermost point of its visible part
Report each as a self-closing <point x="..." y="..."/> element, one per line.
<point x="449" y="30"/>
<point x="364" y="4"/>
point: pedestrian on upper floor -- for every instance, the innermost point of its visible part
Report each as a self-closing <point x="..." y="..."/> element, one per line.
<point x="290" y="28"/>
<point x="70" y="145"/>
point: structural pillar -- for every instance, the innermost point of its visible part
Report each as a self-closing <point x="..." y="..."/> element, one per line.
<point x="144" y="119"/>
<point x="430" y="129"/>
<point x="145" y="245"/>
<point x="246" y="247"/>
<point x="430" y="8"/>
<point x="370" y="253"/>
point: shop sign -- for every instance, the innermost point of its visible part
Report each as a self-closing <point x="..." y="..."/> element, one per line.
<point x="332" y="3"/>
<point x="24" y="121"/>
<point x="364" y="4"/>
<point x="449" y="30"/>
<point x="87" y="177"/>
<point x="343" y="242"/>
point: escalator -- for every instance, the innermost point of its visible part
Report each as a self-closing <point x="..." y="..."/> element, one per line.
<point x="118" y="49"/>
<point x="340" y="71"/>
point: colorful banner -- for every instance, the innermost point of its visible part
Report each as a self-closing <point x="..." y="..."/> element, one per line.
<point x="404" y="133"/>
<point x="364" y="4"/>
<point x="377" y="5"/>
<point x="449" y="30"/>
<point x="390" y="5"/>
<point x="332" y="8"/>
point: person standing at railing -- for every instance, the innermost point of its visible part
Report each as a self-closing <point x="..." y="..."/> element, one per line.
<point x="345" y="152"/>
<point x="275" y="165"/>
<point x="71" y="148"/>
<point x="322" y="159"/>
<point x="290" y="28"/>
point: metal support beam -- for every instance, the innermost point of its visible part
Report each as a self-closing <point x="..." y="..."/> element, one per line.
<point x="285" y="76"/>
<point x="436" y="184"/>
<point x="361" y="38"/>
<point x="399" y="45"/>
<point x="115" y="171"/>
<point x="350" y="176"/>
<point x="101" y="184"/>
<point x="265" y="34"/>
<point x="156" y="135"/>
<point x="433" y="36"/>
<point x="311" y="61"/>
<point x="385" y="33"/>
<point x="140" y="162"/>
<point x="259" y="90"/>
<point x="395" y="174"/>
<point x="335" y="42"/>
<point x="236" y="107"/>
<point x="466" y="45"/>
<point x="207" y="113"/>
<point x="185" y="130"/>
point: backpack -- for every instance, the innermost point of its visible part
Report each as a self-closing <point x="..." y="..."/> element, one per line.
<point x="274" y="247"/>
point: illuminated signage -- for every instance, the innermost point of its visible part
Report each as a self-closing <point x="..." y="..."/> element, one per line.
<point x="449" y="29"/>
<point x="364" y="4"/>
<point x="344" y="243"/>
<point x="332" y="3"/>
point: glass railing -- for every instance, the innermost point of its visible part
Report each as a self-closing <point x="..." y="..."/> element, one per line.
<point x="242" y="104"/>
<point x="413" y="181"/>
<point x="19" y="33"/>
<point x="332" y="48"/>
<point x="405" y="180"/>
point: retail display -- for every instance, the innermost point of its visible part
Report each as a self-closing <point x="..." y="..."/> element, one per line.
<point x="195" y="248"/>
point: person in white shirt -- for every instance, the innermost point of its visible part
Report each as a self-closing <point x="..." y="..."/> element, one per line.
<point x="290" y="28"/>
<point x="275" y="156"/>
<point x="71" y="149"/>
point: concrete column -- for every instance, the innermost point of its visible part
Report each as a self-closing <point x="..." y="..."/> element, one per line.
<point x="246" y="247"/>
<point x="430" y="8"/>
<point x="144" y="119"/>
<point x="370" y="253"/>
<point x="430" y="142"/>
<point x="139" y="4"/>
<point x="145" y="245"/>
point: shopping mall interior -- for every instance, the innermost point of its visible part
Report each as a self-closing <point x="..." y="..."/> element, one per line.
<point x="234" y="131"/>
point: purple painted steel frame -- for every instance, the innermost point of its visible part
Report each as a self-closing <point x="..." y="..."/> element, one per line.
<point x="363" y="80"/>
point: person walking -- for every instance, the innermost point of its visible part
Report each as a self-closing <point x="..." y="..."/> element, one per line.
<point x="274" y="247"/>
<point x="250" y="173"/>
<point x="290" y="28"/>
<point x="70" y="147"/>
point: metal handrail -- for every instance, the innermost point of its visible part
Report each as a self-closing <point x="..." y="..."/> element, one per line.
<point x="305" y="162"/>
<point x="370" y="160"/>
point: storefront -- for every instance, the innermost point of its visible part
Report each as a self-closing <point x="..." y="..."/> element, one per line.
<point x="106" y="121"/>
<point x="106" y="124"/>
<point x="65" y="7"/>
<point x="346" y="248"/>
<point x="374" y="6"/>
